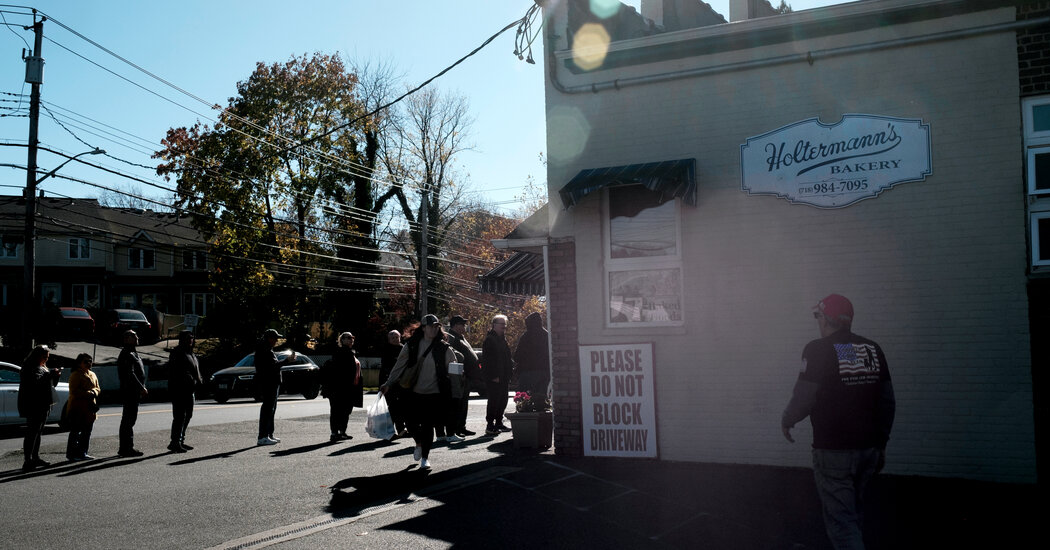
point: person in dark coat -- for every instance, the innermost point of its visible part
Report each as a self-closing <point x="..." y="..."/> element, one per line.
<point x="341" y="384"/>
<point x="132" y="377"/>
<point x="391" y="349"/>
<point x="267" y="383"/>
<point x="34" y="402"/>
<point x="184" y="375"/>
<point x="532" y="357"/>
<point x="497" y="368"/>
<point x="81" y="408"/>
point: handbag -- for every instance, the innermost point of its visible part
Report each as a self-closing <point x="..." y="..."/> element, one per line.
<point x="379" y="423"/>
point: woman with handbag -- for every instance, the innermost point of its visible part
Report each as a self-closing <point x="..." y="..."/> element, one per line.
<point x="81" y="408"/>
<point x="422" y="370"/>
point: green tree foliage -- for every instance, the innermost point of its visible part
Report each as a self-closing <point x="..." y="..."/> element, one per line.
<point x="255" y="183"/>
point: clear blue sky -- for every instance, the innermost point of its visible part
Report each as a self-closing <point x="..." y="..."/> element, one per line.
<point x="206" y="47"/>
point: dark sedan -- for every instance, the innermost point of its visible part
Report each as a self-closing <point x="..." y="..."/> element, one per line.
<point x="116" y="321"/>
<point x="75" y="323"/>
<point x="303" y="376"/>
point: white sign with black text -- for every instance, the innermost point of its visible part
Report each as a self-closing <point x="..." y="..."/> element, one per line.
<point x="619" y="408"/>
<point x="836" y="165"/>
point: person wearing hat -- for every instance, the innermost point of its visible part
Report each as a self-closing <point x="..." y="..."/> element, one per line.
<point x="184" y="375"/>
<point x="132" y="376"/>
<point x="267" y="383"/>
<point x="457" y="326"/>
<point x="422" y="369"/>
<point x="844" y="388"/>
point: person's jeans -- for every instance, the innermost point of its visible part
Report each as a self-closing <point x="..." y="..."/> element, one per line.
<point x="79" y="437"/>
<point x="426" y="411"/>
<point x="841" y="477"/>
<point x="181" y="412"/>
<point x="268" y="409"/>
<point x="340" y="407"/>
<point x="127" y="424"/>
<point x="34" y="429"/>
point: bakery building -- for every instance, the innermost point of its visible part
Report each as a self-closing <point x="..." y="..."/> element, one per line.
<point x="709" y="181"/>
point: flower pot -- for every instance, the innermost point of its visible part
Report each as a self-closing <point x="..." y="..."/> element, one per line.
<point x="533" y="430"/>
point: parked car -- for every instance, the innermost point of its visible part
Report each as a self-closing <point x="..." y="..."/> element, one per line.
<point x="75" y="323"/>
<point x="9" y="379"/>
<point x="303" y="376"/>
<point x="116" y="321"/>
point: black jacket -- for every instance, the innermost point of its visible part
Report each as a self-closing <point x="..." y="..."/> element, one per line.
<point x="496" y="361"/>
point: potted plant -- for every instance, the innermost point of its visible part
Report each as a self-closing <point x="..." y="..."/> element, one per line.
<point x="533" y="424"/>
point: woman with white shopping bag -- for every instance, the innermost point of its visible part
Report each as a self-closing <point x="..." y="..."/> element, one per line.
<point x="422" y="370"/>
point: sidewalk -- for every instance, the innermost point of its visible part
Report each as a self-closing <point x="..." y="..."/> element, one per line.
<point x="685" y="505"/>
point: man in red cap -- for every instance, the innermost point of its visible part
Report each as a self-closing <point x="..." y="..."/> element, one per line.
<point x="845" y="390"/>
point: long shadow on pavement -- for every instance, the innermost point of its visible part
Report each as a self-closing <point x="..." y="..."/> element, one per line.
<point x="226" y="454"/>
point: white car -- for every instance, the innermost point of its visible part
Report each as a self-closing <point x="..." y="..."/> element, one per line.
<point x="9" y="379"/>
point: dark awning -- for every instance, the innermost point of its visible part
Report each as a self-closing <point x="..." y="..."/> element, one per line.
<point x="522" y="274"/>
<point x="673" y="178"/>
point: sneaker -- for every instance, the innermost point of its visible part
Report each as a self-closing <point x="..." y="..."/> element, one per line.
<point x="491" y="430"/>
<point x="418" y="453"/>
<point x="345" y="436"/>
<point x="454" y="439"/>
<point x="334" y="437"/>
<point x="28" y="467"/>
<point x="185" y="446"/>
<point x="41" y="463"/>
<point x="502" y="427"/>
<point x="175" y="447"/>
<point x="83" y="458"/>
<point x="465" y="432"/>
<point x="442" y="438"/>
<point x="127" y="453"/>
<point x="267" y="441"/>
<point x="424" y="464"/>
<point x="275" y="439"/>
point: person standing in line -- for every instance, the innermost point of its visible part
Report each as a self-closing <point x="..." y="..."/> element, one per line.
<point x="341" y="384"/>
<point x="35" y="400"/>
<point x="532" y="357"/>
<point x="845" y="390"/>
<point x="422" y="370"/>
<point x="391" y="349"/>
<point x="133" y="390"/>
<point x="457" y="339"/>
<point x="81" y="408"/>
<point x="497" y="368"/>
<point x="184" y="375"/>
<point x="268" y="383"/>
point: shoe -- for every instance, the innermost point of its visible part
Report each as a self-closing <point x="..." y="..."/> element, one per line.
<point x="83" y="458"/>
<point x="28" y="467"/>
<point x="424" y="464"/>
<point x="267" y="441"/>
<point x="418" y="453"/>
<point x="185" y="446"/>
<point x="127" y="453"/>
<point x="41" y="463"/>
<point x="334" y="437"/>
<point x="502" y="427"/>
<point x="345" y="436"/>
<point x="175" y="447"/>
<point x="465" y="432"/>
<point x="454" y="439"/>
<point x="442" y="438"/>
<point x="402" y="433"/>
<point x="275" y="438"/>
<point x="492" y="431"/>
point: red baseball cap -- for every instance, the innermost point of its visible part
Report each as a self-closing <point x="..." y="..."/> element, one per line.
<point x="836" y="307"/>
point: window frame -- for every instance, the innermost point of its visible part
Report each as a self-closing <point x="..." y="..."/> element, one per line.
<point x="639" y="264"/>
<point x="142" y="258"/>
<point x="1034" y="219"/>
<point x="81" y="299"/>
<point x="198" y="260"/>
<point x="83" y="247"/>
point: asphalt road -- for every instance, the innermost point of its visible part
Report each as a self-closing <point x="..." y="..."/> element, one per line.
<point x="304" y="492"/>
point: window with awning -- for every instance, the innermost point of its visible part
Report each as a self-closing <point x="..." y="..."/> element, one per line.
<point x="669" y="178"/>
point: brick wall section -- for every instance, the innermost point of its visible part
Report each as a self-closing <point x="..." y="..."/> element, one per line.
<point x="1033" y="50"/>
<point x="568" y="421"/>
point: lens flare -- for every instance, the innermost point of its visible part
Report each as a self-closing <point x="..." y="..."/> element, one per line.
<point x="589" y="46"/>
<point x="567" y="134"/>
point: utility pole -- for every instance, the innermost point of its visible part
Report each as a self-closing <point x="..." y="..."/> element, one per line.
<point x="423" y="260"/>
<point x="35" y="77"/>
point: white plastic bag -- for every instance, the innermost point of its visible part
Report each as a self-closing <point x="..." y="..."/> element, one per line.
<point x="379" y="424"/>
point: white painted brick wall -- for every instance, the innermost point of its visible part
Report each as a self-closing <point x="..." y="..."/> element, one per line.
<point x="936" y="269"/>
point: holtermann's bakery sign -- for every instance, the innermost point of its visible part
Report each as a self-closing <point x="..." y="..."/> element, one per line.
<point x="836" y="165"/>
